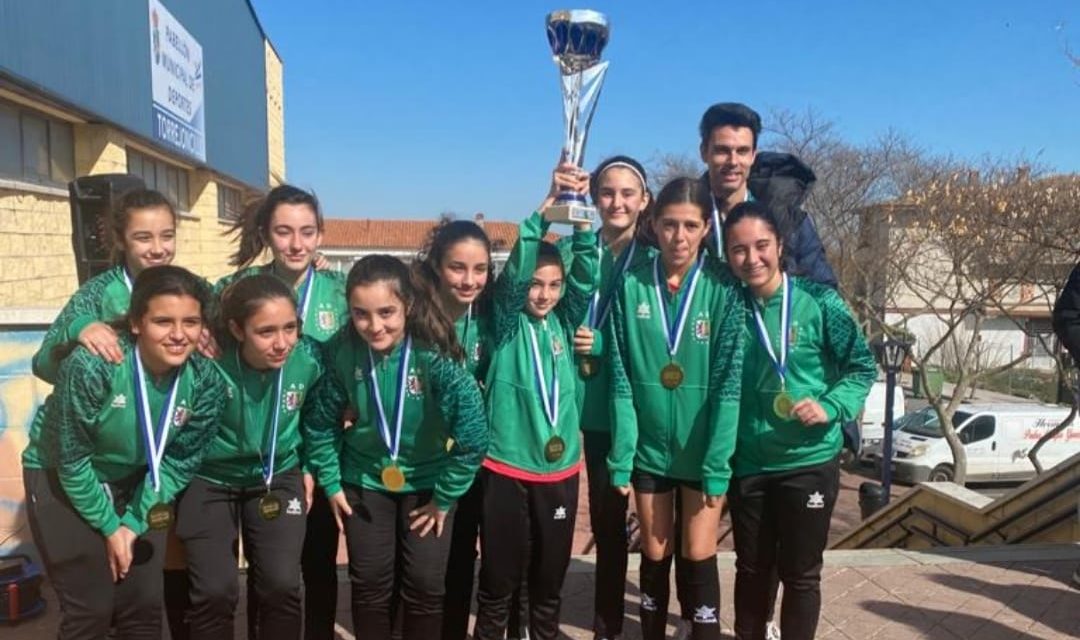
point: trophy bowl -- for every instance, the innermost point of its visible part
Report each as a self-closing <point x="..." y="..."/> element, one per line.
<point x="577" y="38"/>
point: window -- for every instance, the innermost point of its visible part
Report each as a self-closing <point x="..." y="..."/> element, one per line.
<point x="980" y="428"/>
<point x="34" y="147"/>
<point x="230" y="203"/>
<point x="170" y="180"/>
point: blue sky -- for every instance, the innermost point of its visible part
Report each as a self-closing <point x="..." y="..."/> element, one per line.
<point x="408" y="109"/>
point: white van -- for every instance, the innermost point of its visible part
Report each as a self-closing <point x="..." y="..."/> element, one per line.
<point x="872" y="419"/>
<point x="997" y="438"/>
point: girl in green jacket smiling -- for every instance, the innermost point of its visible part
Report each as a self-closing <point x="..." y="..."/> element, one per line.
<point x="289" y="223"/>
<point x="390" y="478"/>
<point x="676" y="362"/>
<point x="807" y="370"/>
<point x="143" y="232"/>
<point x="116" y="443"/>
<point x="530" y="476"/>
<point x="250" y="479"/>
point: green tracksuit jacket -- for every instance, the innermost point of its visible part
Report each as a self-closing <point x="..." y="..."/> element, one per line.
<point x="442" y="401"/>
<point x="328" y="310"/>
<point x="103" y="298"/>
<point x="688" y="432"/>
<point x="243" y="442"/>
<point x="88" y="431"/>
<point x="519" y="426"/>
<point x="595" y="391"/>
<point x="828" y="360"/>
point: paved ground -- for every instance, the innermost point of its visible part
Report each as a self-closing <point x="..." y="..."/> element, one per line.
<point x="986" y="593"/>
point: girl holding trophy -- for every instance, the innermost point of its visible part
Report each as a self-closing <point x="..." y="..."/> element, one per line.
<point x="807" y="371"/>
<point x="530" y="477"/>
<point x="676" y="367"/>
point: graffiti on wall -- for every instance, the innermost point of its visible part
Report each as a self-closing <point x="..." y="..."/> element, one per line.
<point x="20" y="395"/>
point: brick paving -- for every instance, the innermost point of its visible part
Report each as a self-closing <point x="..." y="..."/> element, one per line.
<point x="999" y="593"/>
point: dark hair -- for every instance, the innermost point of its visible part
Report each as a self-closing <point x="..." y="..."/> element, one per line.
<point x="253" y="227"/>
<point x="425" y="320"/>
<point x="756" y="210"/>
<point x="120" y="216"/>
<point x="241" y="299"/>
<point x="685" y="191"/>
<point x="549" y="254"/>
<point x="441" y="238"/>
<point x="729" y="114"/>
<point x="164" y="280"/>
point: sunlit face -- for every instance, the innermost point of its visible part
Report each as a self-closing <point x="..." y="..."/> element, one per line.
<point x="621" y="198"/>
<point x="149" y="239"/>
<point x="679" y="229"/>
<point x="464" y="270"/>
<point x="729" y="153"/>
<point x="294" y="236"/>
<point x="168" y="332"/>
<point x="268" y="335"/>
<point x="754" y="252"/>
<point x="378" y="315"/>
<point x="545" y="290"/>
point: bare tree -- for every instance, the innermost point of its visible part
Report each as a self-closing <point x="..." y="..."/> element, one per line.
<point x="665" y="167"/>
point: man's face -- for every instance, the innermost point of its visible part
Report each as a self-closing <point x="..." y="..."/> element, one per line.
<point x="729" y="154"/>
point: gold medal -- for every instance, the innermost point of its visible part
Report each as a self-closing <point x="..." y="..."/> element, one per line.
<point x="554" y="449"/>
<point x="783" y="405"/>
<point x="269" y="507"/>
<point x="393" y="478"/>
<point x="159" y="517"/>
<point x="671" y="376"/>
<point x="588" y="367"/>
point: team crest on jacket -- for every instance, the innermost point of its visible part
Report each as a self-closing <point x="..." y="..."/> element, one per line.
<point x="556" y="346"/>
<point x="327" y="319"/>
<point x="293" y="399"/>
<point x="644" y="311"/>
<point x="413" y="384"/>
<point x="702" y="328"/>
<point x="358" y="373"/>
<point x="180" y="416"/>
<point x="793" y="334"/>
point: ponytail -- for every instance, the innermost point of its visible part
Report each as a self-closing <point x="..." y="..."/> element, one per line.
<point x="253" y="227"/>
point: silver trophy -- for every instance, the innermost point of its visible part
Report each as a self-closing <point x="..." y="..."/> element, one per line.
<point x="577" y="37"/>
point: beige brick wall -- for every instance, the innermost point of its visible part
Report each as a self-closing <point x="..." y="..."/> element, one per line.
<point x="36" y="265"/>
<point x="275" y="116"/>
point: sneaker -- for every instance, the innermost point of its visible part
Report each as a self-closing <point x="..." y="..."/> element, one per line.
<point x="772" y="632"/>
<point x="1076" y="578"/>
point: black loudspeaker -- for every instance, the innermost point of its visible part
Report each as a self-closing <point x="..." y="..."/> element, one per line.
<point x="92" y="200"/>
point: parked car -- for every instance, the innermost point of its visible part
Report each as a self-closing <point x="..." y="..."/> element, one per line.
<point x="996" y="437"/>
<point x="872" y="419"/>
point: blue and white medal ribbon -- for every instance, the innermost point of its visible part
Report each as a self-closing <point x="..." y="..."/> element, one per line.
<point x="392" y="440"/>
<point x="127" y="280"/>
<point x="673" y="330"/>
<point x="155" y="438"/>
<point x="718" y="224"/>
<point x="600" y="306"/>
<point x="305" y="293"/>
<point x="268" y="465"/>
<point x="549" y="397"/>
<point x="779" y="362"/>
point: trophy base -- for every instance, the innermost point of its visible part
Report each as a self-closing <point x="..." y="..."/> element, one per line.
<point x="570" y="213"/>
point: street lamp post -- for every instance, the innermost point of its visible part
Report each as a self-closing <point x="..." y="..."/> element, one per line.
<point x="890" y="354"/>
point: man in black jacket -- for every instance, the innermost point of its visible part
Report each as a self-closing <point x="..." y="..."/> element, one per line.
<point x="1066" y="320"/>
<point x="738" y="172"/>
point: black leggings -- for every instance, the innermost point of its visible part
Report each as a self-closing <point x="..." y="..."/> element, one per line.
<point x="607" y="517"/>
<point x="381" y="546"/>
<point x="781" y="524"/>
<point x="528" y="528"/>
<point x="209" y="516"/>
<point x="91" y="604"/>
